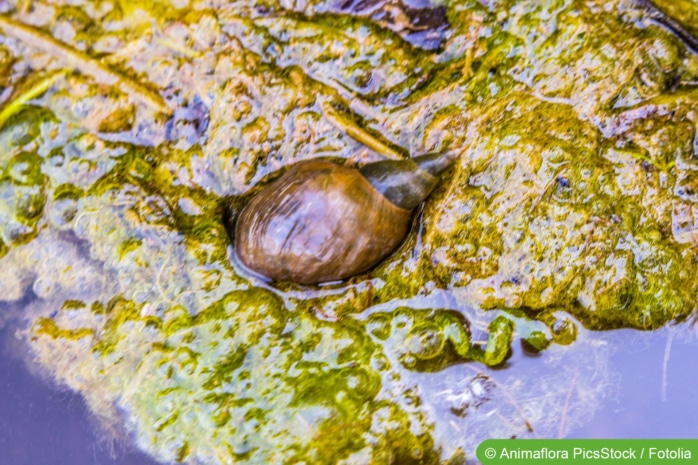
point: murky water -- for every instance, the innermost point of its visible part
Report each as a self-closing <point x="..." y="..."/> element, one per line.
<point x="652" y="396"/>
<point x="657" y="378"/>
<point x="42" y="424"/>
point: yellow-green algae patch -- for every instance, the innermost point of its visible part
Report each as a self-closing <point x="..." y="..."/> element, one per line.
<point x="572" y="206"/>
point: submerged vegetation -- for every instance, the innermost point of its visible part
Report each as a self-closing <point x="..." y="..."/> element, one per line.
<point x="573" y="207"/>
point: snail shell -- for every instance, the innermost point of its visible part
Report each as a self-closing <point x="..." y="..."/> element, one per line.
<point x="323" y="222"/>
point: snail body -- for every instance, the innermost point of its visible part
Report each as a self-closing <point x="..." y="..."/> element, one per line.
<point x="323" y="222"/>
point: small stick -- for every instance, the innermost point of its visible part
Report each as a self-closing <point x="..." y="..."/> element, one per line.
<point x="665" y="364"/>
<point x="561" y="430"/>
<point x="547" y="186"/>
<point x="509" y="397"/>
<point x="175" y="47"/>
<point x="353" y="130"/>
<point x="83" y="63"/>
<point x="34" y="90"/>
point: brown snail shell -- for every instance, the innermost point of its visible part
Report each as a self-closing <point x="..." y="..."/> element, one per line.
<point x="324" y="222"/>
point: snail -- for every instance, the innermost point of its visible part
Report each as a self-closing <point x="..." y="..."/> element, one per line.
<point x="322" y="222"/>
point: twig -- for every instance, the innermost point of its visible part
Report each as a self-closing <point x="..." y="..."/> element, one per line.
<point x="83" y="63"/>
<point x="547" y="186"/>
<point x="563" y="418"/>
<point x="158" y="282"/>
<point x="587" y="241"/>
<point x="23" y="6"/>
<point x="344" y="123"/>
<point x="508" y="395"/>
<point x="612" y="285"/>
<point x="175" y="47"/>
<point x="34" y="90"/>
<point x="665" y="364"/>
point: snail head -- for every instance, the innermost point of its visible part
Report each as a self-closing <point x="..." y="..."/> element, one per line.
<point x="407" y="183"/>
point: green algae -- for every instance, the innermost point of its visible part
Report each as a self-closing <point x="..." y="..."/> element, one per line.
<point x="430" y="340"/>
<point x="572" y="207"/>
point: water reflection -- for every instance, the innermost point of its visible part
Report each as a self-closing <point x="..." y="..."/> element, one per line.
<point x="658" y="373"/>
<point x="651" y="377"/>
<point x="43" y="425"/>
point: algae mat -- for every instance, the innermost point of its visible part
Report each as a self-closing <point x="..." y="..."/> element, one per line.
<point x="128" y="129"/>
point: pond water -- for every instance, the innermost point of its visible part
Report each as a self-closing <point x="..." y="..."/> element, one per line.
<point x="653" y="396"/>
<point x="657" y="374"/>
<point x="43" y="424"/>
<point x="546" y="288"/>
